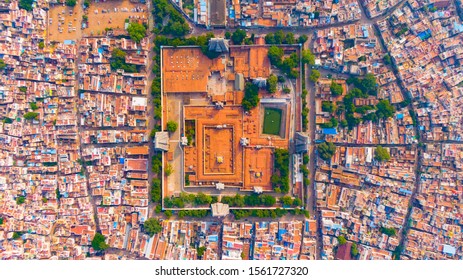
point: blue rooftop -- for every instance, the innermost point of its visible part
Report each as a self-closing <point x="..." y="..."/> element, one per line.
<point x="449" y="250"/>
<point x="330" y="131"/>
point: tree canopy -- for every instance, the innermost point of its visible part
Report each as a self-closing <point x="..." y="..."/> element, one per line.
<point x="315" y="75"/>
<point x="342" y="240"/>
<point x="136" y="31"/>
<point x="26" y="4"/>
<point x="71" y="3"/>
<point x="326" y="150"/>
<point x="336" y="89"/>
<point x="328" y="106"/>
<point x="308" y="57"/>
<point x="118" y="61"/>
<point x="238" y="36"/>
<point x="172" y="126"/>
<point x="98" y="242"/>
<point x="251" y="96"/>
<point x="354" y="251"/>
<point x="382" y="154"/>
<point x="152" y="226"/>
<point x="31" y="115"/>
<point x="168" y="20"/>
<point x="272" y="82"/>
<point x="275" y="55"/>
<point x="280" y="178"/>
<point x="387" y="59"/>
<point x="385" y="109"/>
<point x="388" y="231"/>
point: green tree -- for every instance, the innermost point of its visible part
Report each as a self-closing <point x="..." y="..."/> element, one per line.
<point x="136" y="31"/>
<point x="20" y="200"/>
<point x="152" y="226"/>
<point x="238" y="36"/>
<point x="202" y="199"/>
<point x="227" y="35"/>
<point x="275" y="55"/>
<point x="251" y="96"/>
<point x="41" y="45"/>
<point x="342" y="240"/>
<point x="286" y="200"/>
<point x="336" y="89"/>
<point x="33" y="106"/>
<point x="26" y="4"/>
<point x="168" y="170"/>
<point x="17" y="234"/>
<point x="315" y="75"/>
<point x="171" y="126"/>
<point x="289" y="38"/>
<point x="385" y="109"/>
<point x="354" y="250"/>
<point x="31" y="115"/>
<point x="302" y="39"/>
<point x="382" y="154"/>
<point x="168" y="214"/>
<point x="297" y="202"/>
<point x="1" y="221"/>
<point x="201" y="251"/>
<point x="305" y="159"/>
<point x="2" y="64"/>
<point x="272" y="82"/>
<point x="388" y="231"/>
<point x="270" y="39"/>
<point x="156" y="190"/>
<point x="71" y="3"/>
<point x="279" y="37"/>
<point x="368" y="84"/>
<point x="118" y="61"/>
<point x="328" y="106"/>
<point x="98" y="242"/>
<point x="308" y="57"/>
<point x="268" y="200"/>
<point x="326" y="150"/>
<point x="387" y="59"/>
<point x="86" y="3"/>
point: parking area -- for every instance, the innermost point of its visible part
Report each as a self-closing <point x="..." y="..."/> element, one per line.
<point x="66" y="23"/>
<point x="112" y="14"/>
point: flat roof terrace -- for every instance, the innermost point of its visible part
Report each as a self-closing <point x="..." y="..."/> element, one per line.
<point x="217" y="155"/>
<point x="258" y="168"/>
<point x="251" y="61"/>
<point x="184" y="70"/>
<point x="218" y="152"/>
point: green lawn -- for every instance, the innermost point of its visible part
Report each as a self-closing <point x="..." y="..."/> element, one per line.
<point x="272" y="121"/>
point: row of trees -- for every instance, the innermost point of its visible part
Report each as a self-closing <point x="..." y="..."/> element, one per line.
<point x="249" y="200"/>
<point x="251" y="96"/>
<point x="268" y="213"/>
<point x="288" y="201"/>
<point x="199" y="199"/>
<point x="280" y="177"/>
<point x="168" y="20"/>
<point x="279" y="38"/>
